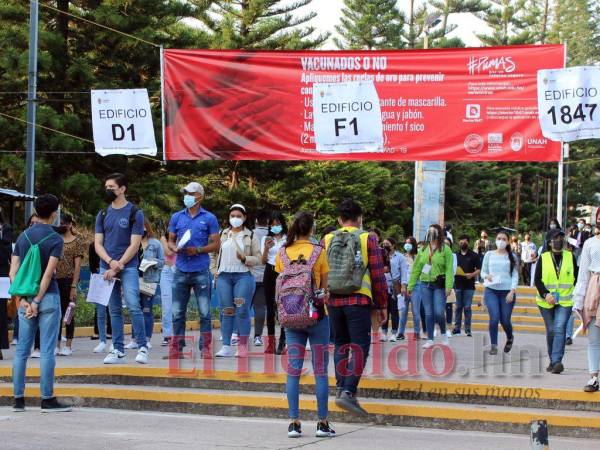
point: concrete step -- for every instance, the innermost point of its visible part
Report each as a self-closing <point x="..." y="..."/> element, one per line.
<point x="397" y="412"/>
<point x="370" y="388"/>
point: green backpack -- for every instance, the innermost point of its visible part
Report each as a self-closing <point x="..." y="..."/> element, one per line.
<point x="29" y="275"/>
<point x="346" y="266"/>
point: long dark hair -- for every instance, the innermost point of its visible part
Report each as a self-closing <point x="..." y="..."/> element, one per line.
<point x="277" y="215"/>
<point x="301" y="226"/>
<point x="441" y="235"/>
<point x="511" y="256"/>
<point x="415" y="246"/>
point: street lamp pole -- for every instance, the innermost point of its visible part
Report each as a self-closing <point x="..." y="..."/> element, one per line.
<point x="31" y="103"/>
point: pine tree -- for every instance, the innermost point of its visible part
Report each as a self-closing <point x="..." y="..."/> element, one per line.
<point x="415" y="21"/>
<point x="259" y="24"/>
<point x="505" y="18"/>
<point x="446" y="7"/>
<point x="370" y="24"/>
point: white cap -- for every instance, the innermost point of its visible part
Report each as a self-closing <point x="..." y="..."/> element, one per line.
<point x="193" y="188"/>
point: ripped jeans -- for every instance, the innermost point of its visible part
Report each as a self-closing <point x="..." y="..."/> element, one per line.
<point x="235" y="290"/>
<point x="183" y="282"/>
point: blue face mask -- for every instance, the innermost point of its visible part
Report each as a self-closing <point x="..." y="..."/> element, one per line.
<point x="408" y="247"/>
<point x="276" y="229"/>
<point x="580" y="226"/>
<point x="189" y="200"/>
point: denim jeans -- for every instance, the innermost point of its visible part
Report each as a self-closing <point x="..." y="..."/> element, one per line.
<point x="464" y="300"/>
<point x="230" y="286"/>
<point x="393" y="313"/>
<point x="500" y="312"/>
<point x="130" y="287"/>
<point x="352" y="329"/>
<point x="48" y="321"/>
<point x="415" y="303"/>
<point x="593" y="347"/>
<point x="166" y="299"/>
<point x="318" y="335"/>
<point x="570" y="325"/>
<point x="147" y="302"/>
<point x="182" y="283"/>
<point x="556" y="320"/>
<point x="434" y="300"/>
<point x="101" y="315"/>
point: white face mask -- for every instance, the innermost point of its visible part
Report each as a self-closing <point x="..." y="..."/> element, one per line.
<point x="236" y="222"/>
<point x="500" y="244"/>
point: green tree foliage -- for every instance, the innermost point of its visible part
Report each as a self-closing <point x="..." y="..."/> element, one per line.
<point x="443" y="8"/>
<point x="505" y="18"/>
<point x="370" y="24"/>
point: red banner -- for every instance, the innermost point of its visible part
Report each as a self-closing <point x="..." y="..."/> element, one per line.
<point x="473" y="104"/>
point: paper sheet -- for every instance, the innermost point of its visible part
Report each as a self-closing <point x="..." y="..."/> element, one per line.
<point x="401" y="302"/>
<point x="495" y="280"/>
<point x="573" y="242"/>
<point x="184" y="239"/>
<point x="4" y="286"/>
<point x="100" y="290"/>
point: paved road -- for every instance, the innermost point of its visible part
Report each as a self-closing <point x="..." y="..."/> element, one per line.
<point x="109" y="429"/>
<point x="467" y="363"/>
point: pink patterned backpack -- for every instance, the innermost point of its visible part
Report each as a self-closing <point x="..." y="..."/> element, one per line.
<point x="295" y="291"/>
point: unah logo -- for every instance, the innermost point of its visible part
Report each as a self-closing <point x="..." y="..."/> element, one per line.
<point x="502" y="64"/>
<point x="516" y="142"/>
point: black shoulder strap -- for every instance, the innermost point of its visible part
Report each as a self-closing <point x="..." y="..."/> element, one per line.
<point x="102" y="218"/>
<point x="132" y="214"/>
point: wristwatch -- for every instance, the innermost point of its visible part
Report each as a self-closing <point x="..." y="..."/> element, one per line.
<point x="37" y="302"/>
<point x="198" y="250"/>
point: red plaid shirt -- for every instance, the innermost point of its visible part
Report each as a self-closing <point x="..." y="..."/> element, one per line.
<point x="378" y="283"/>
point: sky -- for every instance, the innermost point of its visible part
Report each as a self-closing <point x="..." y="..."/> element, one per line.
<point x="330" y="11"/>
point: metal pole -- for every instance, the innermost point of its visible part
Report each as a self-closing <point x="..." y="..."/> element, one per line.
<point x="162" y="102"/>
<point x="559" y="190"/>
<point x="31" y="104"/>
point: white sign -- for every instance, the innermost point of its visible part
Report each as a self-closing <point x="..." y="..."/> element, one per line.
<point x="122" y="122"/>
<point x="347" y="117"/>
<point x="568" y="103"/>
<point x="4" y="287"/>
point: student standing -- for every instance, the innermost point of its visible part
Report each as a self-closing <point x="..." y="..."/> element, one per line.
<point x="468" y="270"/>
<point x="499" y="269"/>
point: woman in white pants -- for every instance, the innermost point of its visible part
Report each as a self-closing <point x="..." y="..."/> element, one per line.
<point x="166" y="291"/>
<point x="587" y="305"/>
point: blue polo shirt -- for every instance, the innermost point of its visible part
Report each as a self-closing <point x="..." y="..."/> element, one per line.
<point x="202" y="225"/>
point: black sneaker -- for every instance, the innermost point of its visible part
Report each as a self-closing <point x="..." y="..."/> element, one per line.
<point x="468" y="332"/>
<point x="592" y="385"/>
<point x="349" y="403"/>
<point x="53" y="405"/>
<point x="19" y="404"/>
<point x="95" y="337"/>
<point x="401" y="337"/>
<point x="508" y="345"/>
<point x="558" y="368"/>
<point x="455" y="331"/>
<point x="294" y="430"/>
<point x="324" y="430"/>
<point x="569" y="341"/>
<point x="549" y="368"/>
<point x="338" y="392"/>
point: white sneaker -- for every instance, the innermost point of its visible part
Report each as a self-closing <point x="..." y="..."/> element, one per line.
<point x="445" y="340"/>
<point x="131" y="345"/>
<point x="111" y="348"/>
<point x="63" y="339"/>
<point x="234" y="339"/>
<point x="142" y="356"/>
<point x="428" y="344"/>
<point x="56" y="351"/>
<point x="65" y="351"/>
<point x="436" y="331"/>
<point x="383" y="337"/>
<point x="14" y="342"/>
<point x="100" y="347"/>
<point x="448" y="333"/>
<point x="258" y="342"/>
<point x="148" y="345"/>
<point x="35" y="354"/>
<point x="115" y="357"/>
<point x="393" y="338"/>
<point x="225" y="352"/>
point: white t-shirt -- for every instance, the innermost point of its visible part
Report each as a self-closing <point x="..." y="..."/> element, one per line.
<point x="527" y="251"/>
<point x="273" y="250"/>
<point x="259" y="270"/>
<point x="229" y="260"/>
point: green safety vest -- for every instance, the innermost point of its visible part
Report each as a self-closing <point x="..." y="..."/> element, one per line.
<point x="562" y="286"/>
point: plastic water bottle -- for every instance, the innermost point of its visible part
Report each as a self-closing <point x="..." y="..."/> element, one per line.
<point x="69" y="313"/>
<point x="358" y="259"/>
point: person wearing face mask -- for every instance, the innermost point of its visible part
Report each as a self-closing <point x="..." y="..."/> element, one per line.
<point x="6" y="238"/>
<point x="468" y="269"/>
<point x="434" y="268"/>
<point x="555" y="278"/>
<point x="261" y="230"/>
<point x="397" y="279"/>
<point x="67" y="276"/>
<point x="501" y="278"/>
<point x="239" y="251"/>
<point x="119" y="230"/>
<point x="528" y="252"/>
<point x="270" y="246"/>
<point x="581" y="234"/>
<point x="414" y="298"/>
<point x="193" y="235"/>
<point x="43" y="310"/>
<point x="554" y="224"/>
